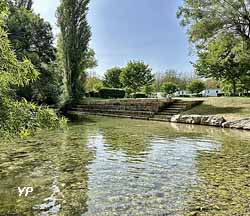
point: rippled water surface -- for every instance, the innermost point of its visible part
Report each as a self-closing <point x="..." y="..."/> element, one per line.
<point x="107" y="166"/>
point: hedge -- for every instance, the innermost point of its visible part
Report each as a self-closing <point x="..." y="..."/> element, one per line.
<point x="93" y="94"/>
<point x="107" y="93"/>
<point x="139" y="95"/>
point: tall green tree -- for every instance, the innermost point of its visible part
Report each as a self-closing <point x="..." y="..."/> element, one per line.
<point x="31" y="37"/>
<point x="76" y="34"/>
<point x="89" y="62"/>
<point x="18" y="116"/>
<point x="112" y="78"/>
<point x="136" y="75"/>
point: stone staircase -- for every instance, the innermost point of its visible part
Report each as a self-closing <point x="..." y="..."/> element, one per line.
<point x="177" y="107"/>
<point x="157" y="111"/>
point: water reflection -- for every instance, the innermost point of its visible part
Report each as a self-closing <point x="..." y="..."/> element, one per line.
<point x="54" y="164"/>
<point x="126" y="167"/>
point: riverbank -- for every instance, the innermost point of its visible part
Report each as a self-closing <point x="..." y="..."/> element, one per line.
<point x="225" y="112"/>
<point x="231" y="108"/>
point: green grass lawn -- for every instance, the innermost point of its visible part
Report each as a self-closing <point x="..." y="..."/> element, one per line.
<point x="232" y="108"/>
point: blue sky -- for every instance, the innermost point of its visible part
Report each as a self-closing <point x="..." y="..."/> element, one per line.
<point x="124" y="30"/>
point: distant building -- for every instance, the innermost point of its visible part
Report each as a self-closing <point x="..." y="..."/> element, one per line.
<point x="212" y="92"/>
<point x="182" y="93"/>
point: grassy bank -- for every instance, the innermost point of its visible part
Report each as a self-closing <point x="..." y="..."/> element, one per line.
<point x="232" y="108"/>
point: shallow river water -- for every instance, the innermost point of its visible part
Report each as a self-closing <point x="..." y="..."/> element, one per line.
<point x="109" y="166"/>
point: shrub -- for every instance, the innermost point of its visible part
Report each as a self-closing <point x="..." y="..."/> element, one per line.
<point x="92" y="94"/>
<point x="111" y="93"/>
<point x="148" y="90"/>
<point x="139" y="95"/>
<point x="112" y="78"/>
<point x="168" y="88"/>
<point x="24" y="118"/>
<point x="196" y="86"/>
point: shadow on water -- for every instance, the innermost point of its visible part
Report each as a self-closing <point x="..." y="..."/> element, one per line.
<point x="109" y="166"/>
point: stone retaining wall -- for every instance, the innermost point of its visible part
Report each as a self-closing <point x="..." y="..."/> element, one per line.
<point x="151" y="105"/>
<point x="217" y="121"/>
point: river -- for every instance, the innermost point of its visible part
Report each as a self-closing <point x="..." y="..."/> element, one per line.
<point x="111" y="166"/>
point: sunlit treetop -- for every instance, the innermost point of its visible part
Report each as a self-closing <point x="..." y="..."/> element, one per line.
<point x="206" y="19"/>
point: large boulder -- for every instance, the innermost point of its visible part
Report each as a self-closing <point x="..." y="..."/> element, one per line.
<point x="213" y="120"/>
<point x="238" y="124"/>
<point x="199" y="119"/>
<point x="188" y="119"/>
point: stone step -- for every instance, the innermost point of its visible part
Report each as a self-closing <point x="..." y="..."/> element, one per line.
<point x="182" y="103"/>
<point x="173" y="108"/>
<point x="119" y="112"/>
<point x="108" y="115"/>
<point x="168" y="113"/>
<point x="177" y="106"/>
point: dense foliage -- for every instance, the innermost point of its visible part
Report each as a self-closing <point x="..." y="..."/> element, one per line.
<point x="27" y="4"/>
<point x="168" y="88"/>
<point x="112" y="78"/>
<point x="136" y="75"/>
<point x="93" y="83"/>
<point x="19" y="117"/>
<point x="31" y="37"/>
<point x="208" y="19"/>
<point x="225" y="59"/>
<point x="196" y="86"/>
<point x="139" y="95"/>
<point x="220" y="31"/>
<point x="107" y="93"/>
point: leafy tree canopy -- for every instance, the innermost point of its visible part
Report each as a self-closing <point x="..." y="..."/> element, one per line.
<point x="168" y="88"/>
<point x="112" y="78"/>
<point x="93" y="83"/>
<point x="196" y="86"/>
<point x="19" y="117"/>
<point x="27" y="4"/>
<point x="225" y="58"/>
<point x="136" y="75"/>
<point x="31" y="37"/>
<point x="206" y="19"/>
